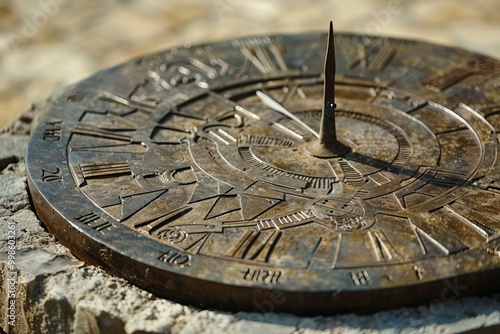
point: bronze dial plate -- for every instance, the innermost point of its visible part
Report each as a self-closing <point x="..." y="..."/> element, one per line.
<point x="179" y="172"/>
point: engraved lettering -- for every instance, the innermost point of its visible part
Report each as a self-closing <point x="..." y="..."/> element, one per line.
<point x="53" y="131"/>
<point x="176" y="258"/>
<point x="266" y="276"/>
<point x="51" y="175"/>
<point x="94" y="221"/>
<point x="361" y="278"/>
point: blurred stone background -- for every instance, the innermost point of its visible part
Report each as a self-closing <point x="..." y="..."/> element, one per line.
<point x="45" y="44"/>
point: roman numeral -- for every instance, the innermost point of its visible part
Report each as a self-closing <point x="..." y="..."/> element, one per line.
<point x="105" y="169"/>
<point x="240" y="248"/>
<point x="381" y="247"/>
<point x="446" y="77"/>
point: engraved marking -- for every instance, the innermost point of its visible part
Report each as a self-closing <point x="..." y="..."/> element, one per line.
<point x="251" y="140"/>
<point x="313" y="181"/>
<point x="379" y="178"/>
<point x="469" y="223"/>
<point x="88" y="130"/>
<point x="105" y="254"/>
<point x="428" y="244"/>
<point x="224" y="205"/>
<point x="134" y="203"/>
<point x="173" y="235"/>
<point x="351" y="174"/>
<point x="76" y="98"/>
<point x="262" y="254"/>
<point x="446" y="77"/>
<point x="227" y="135"/>
<point x="218" y="137"/>
<point x="266" y="276"/>
<point x="94" y="221"/>
<point x="379" y="61"/>
<point x="290" y="131"/>
<point x="380" y="249"/>
<point x="243" y="111"/>
<point x="278" y="52"/>
<point x="150" y="226"/>
<point x="259" y="56"/>
<point x="336" y="254"/>
<point x="51" y="175"/>
<point x="240" y="248"/>
<point x="419" y="272"/>
<point x="54" y="130"/>
<point x="482" y="220"/>
<point x="198" y="244"/>
<point x="361" y="278"/>
<point x="104" y="169"/>
<point x="382" y="59"/>
<point x="405" y="152"/>
<point x="110" y="97"/>
<point x="176" y="258"/>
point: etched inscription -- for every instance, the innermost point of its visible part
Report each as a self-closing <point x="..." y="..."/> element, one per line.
<point x="361" y="278"/>
<point x="266" y="276"/>
<point x="51" y="175"/>
<point x="94" y="221"/>
<point x="176" y="258"/>
<point x="53" y="130"/>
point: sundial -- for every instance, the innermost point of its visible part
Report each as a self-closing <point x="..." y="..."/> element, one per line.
<point x="308" y="173"/>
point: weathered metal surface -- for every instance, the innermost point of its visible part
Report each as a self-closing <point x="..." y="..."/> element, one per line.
<point x="181" y="172"/>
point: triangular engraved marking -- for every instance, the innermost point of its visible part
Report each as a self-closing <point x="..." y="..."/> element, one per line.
<point x="134" y="203"/>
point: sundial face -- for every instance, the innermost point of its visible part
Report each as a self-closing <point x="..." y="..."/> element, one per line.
<point x="200" y="173"/>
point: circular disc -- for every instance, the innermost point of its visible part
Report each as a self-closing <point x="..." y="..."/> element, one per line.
<point x="179" y="172"/>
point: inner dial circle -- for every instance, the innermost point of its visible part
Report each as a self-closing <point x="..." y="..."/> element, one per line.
<point x="246" y="166"/>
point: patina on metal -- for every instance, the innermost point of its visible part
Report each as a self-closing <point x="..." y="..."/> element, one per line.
<point x="244" y="175"/>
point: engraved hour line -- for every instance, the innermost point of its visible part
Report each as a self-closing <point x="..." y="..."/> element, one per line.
<point x="110" y="97"/>
<point x="88" y="130"/>
<point x="270" y="102"/>
<point x="428" y="243"/>
<point x="467" y="222"/>
<point x="243" y="244"/>
<point x="380" y="249"/>
<point x="379" y="62"/>
<point x="258" y="56"/>
<point x="242" y="110"/>
<point x="483" y="221"/>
